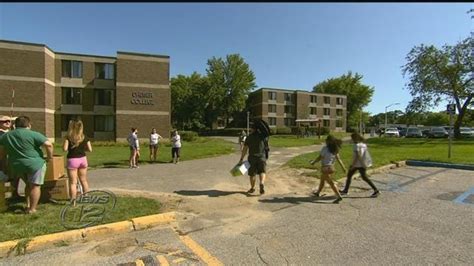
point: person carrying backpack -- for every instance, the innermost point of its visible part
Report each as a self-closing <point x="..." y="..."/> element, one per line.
<point x="361" y="160"/>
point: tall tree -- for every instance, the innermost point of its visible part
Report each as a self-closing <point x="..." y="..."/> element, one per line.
<point x="230" y="82"/>
<point x="188" y="101"/>
<point x="358" y="94"/>
<point x="441" y="74"/>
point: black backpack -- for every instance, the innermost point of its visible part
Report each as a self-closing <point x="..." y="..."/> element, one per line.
<point x="264" y="131"/>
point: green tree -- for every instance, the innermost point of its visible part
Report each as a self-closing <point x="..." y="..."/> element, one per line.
<point x="358" y="94"/>
<point x="441" y="74"/>
<point x="436" y="119"/>
<point x="230" y="82"/>
<point x="188" y="101"/>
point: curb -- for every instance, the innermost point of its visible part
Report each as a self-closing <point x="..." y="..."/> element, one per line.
<point x="382" y="169"/>
<point x="443" y="165"/>
<point x="26" y="245"/>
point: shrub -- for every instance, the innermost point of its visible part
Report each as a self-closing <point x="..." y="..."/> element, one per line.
<point x="223" y="132"/>
<point x="283" y="130"/>
<point x="188" y="135"/>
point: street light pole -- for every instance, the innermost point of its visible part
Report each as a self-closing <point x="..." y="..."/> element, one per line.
<point x="386" y="113"/>
<point x="248" y="122"/>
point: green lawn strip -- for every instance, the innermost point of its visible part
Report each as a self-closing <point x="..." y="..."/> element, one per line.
<point x="284" y="141"/>
<point x="115" y="155"/>
<point x="386" y="150"/>
<point x="17" y="225"/>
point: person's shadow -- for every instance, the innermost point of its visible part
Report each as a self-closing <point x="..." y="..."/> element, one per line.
<point x="299" y="200"/>
<point x="209" y="193"/>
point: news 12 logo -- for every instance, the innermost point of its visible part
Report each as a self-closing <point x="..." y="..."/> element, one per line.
<point x="90" y="209"/>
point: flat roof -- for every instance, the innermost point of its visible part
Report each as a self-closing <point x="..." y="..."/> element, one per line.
<point x="89" y="55"/>
<point x="296" y="91"/>
<point x="143" y="54"/>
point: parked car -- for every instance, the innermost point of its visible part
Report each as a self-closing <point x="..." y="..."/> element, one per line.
<point x="414" y="132"/>
<point x="392" y="132"/>
<point x="438" y="132"/>
<point x="467" y="132"/>
<point x="402" y="131"/>
<point x="425" y="132"/>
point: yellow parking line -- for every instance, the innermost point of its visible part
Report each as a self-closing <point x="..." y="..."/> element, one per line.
<point x="139" y="262"/>
<point x="200" y="251"/>
<point x="162" y="260"/>
<point x="179" y="260"/>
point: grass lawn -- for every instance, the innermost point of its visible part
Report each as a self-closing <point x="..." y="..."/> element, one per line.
<point x="283" y="141"/>
<point x="115" y="155"/>
<point x="16" y="225"/>
<point x="386" y="150"/>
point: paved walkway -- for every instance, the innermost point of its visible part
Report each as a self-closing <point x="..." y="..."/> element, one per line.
<point x="186" y="175"/>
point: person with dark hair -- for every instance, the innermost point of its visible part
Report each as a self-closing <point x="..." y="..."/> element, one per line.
<point x="255" y="145"/>
<point x="23" y="147"/>
<point x="360" y="161"/>
<point x="175" y="146"/>
<point x="154" y="139"/>
<point x="328" y="156"/>
<point x="134" y="148"/>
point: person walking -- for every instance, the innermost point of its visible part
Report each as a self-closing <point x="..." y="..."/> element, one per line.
<point x="25" y="156"/>
<point x="175" y="146"/>
<point x="242" y="138"/>
<point x="360" y="161"/>
<point x="154" y="139"/>
<point x="328" y="156"/>
<point x="255" y="146"/>
<point x="76" y="144"/>
<point x="134" y="148"/>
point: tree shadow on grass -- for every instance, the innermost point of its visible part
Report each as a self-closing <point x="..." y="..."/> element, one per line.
<point x="209" y="193"/>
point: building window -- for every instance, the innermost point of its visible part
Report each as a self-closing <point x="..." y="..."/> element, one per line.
<point x="272" y="108"/>
<point x="327" y="99"/>
<point x="327" y="111"/>
<point x="339" y="101"/>
<point x="326" y="123"/>
<point x="71" y="96"/>
<point x="65" y="121"/>
<point x="339" y="112"/>
<point x="104" y="123"/>
<point x="288" y="109"/>
<point x="272" y="121"/>
<point x="312" y="110"/>
<point x="103" y="97"/>
<point x="272" y="95"/>
<point x="288" y="97"/>
<point x="71" y="69"/>
<point x="314" y="98"/>
<point x="338" y="123"/>
<point x="104" y="71"/>
<point x="289" y="122"/>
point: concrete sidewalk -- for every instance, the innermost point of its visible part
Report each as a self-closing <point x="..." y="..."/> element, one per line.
<point x="186" y="175"/>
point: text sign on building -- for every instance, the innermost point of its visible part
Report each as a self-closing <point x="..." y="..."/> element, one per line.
<point x="142" y="98"/>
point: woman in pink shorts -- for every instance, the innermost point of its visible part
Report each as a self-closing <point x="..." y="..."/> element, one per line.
<point x="76" y="144"/>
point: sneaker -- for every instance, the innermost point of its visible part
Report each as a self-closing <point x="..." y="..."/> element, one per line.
<point x="252" y="190"/>
<point x="316" y="193"/>
<point x="262" y="189"/>
<point x="375" y="194"/>
<point x="336" y="201"/>
<point x="343" y="192"/>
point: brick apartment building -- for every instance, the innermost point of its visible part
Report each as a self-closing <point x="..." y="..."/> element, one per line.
<point x="283" y="108"/>
<point x="109" y="94"/>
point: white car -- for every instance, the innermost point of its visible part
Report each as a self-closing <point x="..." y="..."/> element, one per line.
<point x="392" y="132"/>
<point x="466" y="132"/>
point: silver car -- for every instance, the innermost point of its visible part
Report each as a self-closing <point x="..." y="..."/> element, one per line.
<point x="392" y="132"/>
<point x="414" y="132"/>
<point x="466" y="132"/>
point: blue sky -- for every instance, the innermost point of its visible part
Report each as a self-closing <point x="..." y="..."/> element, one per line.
<point x="287" y="45"/>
